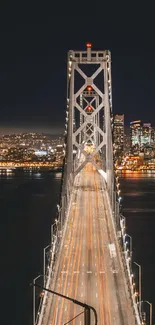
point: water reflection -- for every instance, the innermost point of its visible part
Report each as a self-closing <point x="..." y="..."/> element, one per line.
<point x="7" y="174"/>
<point x="136" y="174"/>
<point x="137" y="210"/>
<point x="58" y="175"/>
<point x="37" y="175"/>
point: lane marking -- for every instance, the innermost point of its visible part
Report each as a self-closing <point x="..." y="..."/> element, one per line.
<point x="112" y="249"/>
<point x="114" y="271"/>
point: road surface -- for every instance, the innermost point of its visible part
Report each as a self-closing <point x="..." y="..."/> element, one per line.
<point x="88" y="267"/>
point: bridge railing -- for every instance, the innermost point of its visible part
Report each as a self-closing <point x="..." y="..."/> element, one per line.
<point x="56" y="238"/>
<point x="118" y="222"/>
<point x="48" y="278"/>
<point x="128" y="264"/>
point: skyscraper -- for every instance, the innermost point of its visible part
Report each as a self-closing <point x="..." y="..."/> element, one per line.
<point x="153" y="135"/>
<point x="135" y="133"/>
<point x="118" y="134"/>
<point x="140" y="135"/>
<point x="146" y="134"/>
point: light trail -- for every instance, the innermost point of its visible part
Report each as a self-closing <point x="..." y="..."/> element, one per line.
<point x="84" y="265"/>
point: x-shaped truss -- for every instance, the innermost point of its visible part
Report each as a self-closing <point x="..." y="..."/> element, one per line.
<point x="88" y="120"/>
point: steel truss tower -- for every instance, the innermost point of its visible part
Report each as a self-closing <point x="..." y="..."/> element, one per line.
<point x="89" y="112"/>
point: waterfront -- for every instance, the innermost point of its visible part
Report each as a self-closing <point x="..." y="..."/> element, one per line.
<point x="28" y="205"/>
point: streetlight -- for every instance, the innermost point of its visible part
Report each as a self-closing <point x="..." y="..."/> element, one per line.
<point x="150" y="304"/>
<point x="140" y="284"/>
<point x="130" y="243"/>
<point x="44" y="262"/>
<point x="53" y="226"/>
<point x="34" y="299"/>
<point x="60" y="216"/>
<point x="122" y="224"/>
<point x="87" y="308"/>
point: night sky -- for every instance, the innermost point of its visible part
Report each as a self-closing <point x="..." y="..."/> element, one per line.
<point x="33" y="62"/>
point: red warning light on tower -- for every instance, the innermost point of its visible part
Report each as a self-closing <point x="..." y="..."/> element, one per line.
<point x="89" y="88"/>
<point x="89" y="45"/>
<point x="89" y="109"/>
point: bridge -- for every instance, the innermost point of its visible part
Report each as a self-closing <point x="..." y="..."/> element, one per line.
<point x="89" y="258"/>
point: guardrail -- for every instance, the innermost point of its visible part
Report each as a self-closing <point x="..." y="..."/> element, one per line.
<point x="129" y="270"/>
<point x="56" y="241"/>
<point x="49" y="274"/>
<point x="127" y="265"/>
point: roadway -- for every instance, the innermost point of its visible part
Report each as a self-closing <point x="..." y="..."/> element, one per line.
<point x="88" y="267"/>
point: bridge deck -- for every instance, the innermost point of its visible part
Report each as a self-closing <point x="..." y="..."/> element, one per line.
<point x="87" y="268"/>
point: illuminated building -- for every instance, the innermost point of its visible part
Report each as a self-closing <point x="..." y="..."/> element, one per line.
<point x="153" y="135"/>
<point x="141" y="136"/>
<point x="146" y="134"/>
<point x="135" y="134"/>
<point x="59" y="149"/>
<point x="59" y="153"/>
<point x="41" y="153"/>
<point x="126" y="143"/>
<point x="118" y="134"/>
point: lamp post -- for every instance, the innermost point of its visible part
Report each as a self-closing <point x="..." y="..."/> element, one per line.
<point x="140" y="284"/>
<point x="52" y="228"/>
<point x="122" y="224"/>
<point x="86" y="307"/>
<point x="44" y="262"/>
<point x="150" y="304"/>
<point x="34" y="298"/>
<point x="130" y="243"/>
<point x="60" y="216"/>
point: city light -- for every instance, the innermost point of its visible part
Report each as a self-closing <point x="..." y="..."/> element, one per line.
<point x="38" y="151"/>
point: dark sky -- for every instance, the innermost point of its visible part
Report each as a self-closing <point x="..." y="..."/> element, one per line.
<point x="33" y="54"/>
